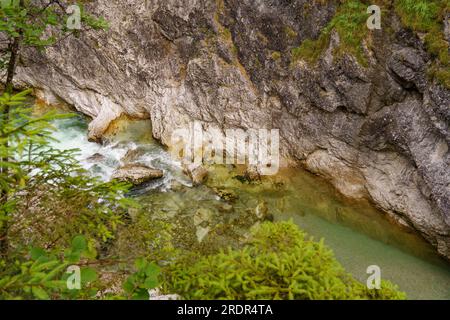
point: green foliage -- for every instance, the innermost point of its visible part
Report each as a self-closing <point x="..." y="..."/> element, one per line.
<point x="45" y="184"/>
<point x="146" y="277"/>
<point x="311" y="50"/>
<point x="31" y="21"/>
<point x="50" y="201"/>
<point x="276" y="55"/>
<point x="46" y="198"/>
<point x="350" y="23"/>
<point x="419" y="15"/>
<point x="279" y="262"/>
<point x="43" y="275"/>
<point x="290" y="33"/>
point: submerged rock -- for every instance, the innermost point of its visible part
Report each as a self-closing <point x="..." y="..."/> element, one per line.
<point x="226" y="194"/>
<point x="137" y="173"/>
<point x="262" y="212"/>
<point x="202" y="221"/>
<point x="203" y="216"/>
<point x="225" y="208"/>
<point x="201" y="233"/>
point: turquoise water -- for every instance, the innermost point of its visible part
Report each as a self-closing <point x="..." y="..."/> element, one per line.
<point x="419" y="278"/>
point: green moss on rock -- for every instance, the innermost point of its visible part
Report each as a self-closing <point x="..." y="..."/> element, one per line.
<point x="349" y="22"/>
<point x="424" y="16"/>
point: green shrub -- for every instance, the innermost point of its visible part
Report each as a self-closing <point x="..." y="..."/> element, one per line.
<point x="48" y="197"/>
<point x="278" y="262"/>
<point x="349" y="22"/>
<point x="42" y="275"/>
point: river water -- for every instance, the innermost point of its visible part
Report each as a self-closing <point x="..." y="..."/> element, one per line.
<point x="359" y="235"/>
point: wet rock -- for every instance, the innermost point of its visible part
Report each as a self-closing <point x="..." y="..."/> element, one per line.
<point x="96" y="157"/>
<point x="201" y="233"/>
<point x="202" y="220"/>
<point x="137" y="174"/>
<point x="198" y="174"/>
<point x="132" y="155"/>
<point x="226" y="208"/>
<point x="176" y="185"/>
<point x="203" y="216"/>
<point x="155" y="294"/>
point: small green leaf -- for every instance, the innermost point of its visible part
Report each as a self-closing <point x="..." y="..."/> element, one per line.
<point x="152" y="270"/>
<point x="151" y="283"/>
<point x="141" y="294"/>
<point x="128" y="286"/>
<point x="79" y="244"/>
<point x="36" y="253"/>
<point x="88" y="275"/>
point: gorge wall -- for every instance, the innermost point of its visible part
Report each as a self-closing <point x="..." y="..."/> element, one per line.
<point x="379" y="131"/>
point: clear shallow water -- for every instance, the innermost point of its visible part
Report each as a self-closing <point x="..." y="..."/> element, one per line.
<point x="358" y="234"/>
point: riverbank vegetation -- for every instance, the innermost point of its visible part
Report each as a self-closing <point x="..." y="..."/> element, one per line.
<point x="278" y="262"/>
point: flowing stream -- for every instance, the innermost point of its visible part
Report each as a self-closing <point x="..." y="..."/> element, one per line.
<point x="359" y="234"/>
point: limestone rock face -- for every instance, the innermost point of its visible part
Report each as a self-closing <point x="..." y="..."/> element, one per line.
<point x="136" y="174"/>
<point x="380" y="131"/>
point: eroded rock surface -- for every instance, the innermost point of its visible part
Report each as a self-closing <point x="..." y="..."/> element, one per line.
<point x="380" y="132"/>
<point x="137" y="174"/>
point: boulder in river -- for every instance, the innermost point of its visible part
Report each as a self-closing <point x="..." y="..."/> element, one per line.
<point x="132" y="155"/>
<point x="96" y="157"/>
<point x="197" y="173"/>
<point x="137" y="173"/>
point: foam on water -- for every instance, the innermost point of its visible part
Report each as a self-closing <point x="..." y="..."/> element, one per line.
<point x="102" y="160"/>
